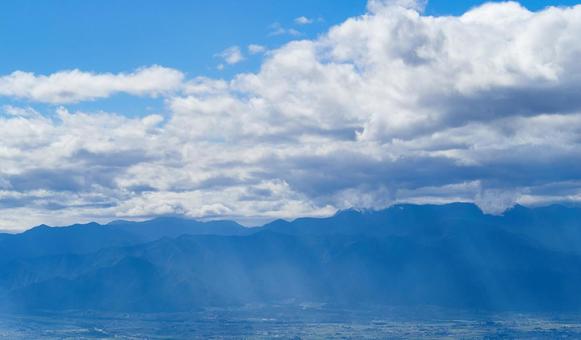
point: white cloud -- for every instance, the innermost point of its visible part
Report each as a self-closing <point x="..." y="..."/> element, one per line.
<point x="256" y="49"/>
<point x="74" y="85"/>
<point x="374" y="6"/>
<point x="387" y="107"/>
<point x="232" y="55"/>
<point x="277" y="29"/>
<point x="205" y="86"/>
<point x="302" y="20"/>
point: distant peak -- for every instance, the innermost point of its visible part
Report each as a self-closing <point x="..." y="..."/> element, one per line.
<point x="90" y="224"/>
<point x="350" y="211"/>
<point x="515" y="209"/>
<point x="38" y="228"/>
<point x="42" y="226"/>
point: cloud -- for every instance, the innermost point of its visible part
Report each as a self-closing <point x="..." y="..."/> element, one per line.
<point x="303" y="20"/>
<point x="391" y="106"/>
<point x="374" y="6"/>
<point x="256" y="49"/>
<point x="232" y="55"/>
<point x="75" y="86"/>
<point x="277" y="29"/>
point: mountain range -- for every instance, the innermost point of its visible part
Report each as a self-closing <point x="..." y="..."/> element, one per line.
<point x="454" y="255"/>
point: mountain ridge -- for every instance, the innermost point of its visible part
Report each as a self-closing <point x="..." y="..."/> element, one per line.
<point x="444" y="255"/>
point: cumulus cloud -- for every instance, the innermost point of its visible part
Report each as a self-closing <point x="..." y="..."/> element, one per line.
<point x="75" y="85"/>
<point x="391" y="106"/>
<point x="232" y="55"/>
<point x="277" y="29"/>
<point x="256" y="49"/>
<point x="374" y="6"/>
<point x="302" y="20"/>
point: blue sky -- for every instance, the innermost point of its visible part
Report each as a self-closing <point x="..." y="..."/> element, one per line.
<point x="255" y="110"/>
<point x="120" y="35"/>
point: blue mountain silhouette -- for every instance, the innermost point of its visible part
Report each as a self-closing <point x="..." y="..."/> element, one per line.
<point x="407" y="255"/>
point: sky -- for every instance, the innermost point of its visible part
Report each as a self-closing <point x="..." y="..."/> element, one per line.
<point x="269" y="109"/>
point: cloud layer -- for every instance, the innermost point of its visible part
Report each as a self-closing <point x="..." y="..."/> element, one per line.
<point x="75" y="86"/>
<point x="390" y="106"/>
